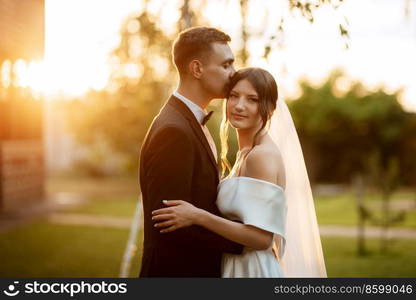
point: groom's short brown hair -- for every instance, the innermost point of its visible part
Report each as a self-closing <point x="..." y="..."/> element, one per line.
<point x="193" y="43"/>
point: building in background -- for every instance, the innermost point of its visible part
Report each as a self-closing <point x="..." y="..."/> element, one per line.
<point x="22" y="31"/>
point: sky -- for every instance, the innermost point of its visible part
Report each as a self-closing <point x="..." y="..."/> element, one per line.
<point x="80" y="34"/>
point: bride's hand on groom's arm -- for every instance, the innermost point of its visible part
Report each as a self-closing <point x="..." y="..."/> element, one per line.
<point x="178" y="214"/>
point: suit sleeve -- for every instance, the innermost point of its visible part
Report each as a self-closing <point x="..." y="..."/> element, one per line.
<point x="169" y="168"/>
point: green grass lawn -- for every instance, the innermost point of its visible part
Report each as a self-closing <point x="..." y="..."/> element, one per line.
<point x="48" y="250"/>
<point x="341" y="210"/>
<point x="341" y="259"/>
<point x="124" y="206"/>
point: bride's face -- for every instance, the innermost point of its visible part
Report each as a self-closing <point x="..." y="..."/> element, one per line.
<point x="243" y="106"/>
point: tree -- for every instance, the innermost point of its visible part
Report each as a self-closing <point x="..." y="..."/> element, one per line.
<point x="349" y="129"/>
<point x="119" y="116"/>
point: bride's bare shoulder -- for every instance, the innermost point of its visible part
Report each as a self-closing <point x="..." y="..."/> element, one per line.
<point x="264" y="162"/>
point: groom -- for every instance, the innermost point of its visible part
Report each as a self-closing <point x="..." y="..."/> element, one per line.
<point x="178" y="159"/>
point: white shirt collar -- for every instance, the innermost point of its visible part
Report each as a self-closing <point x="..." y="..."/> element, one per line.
<point x="198" y="112"/>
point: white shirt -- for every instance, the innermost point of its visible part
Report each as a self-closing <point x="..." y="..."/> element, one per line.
<point x="199" y="114"/>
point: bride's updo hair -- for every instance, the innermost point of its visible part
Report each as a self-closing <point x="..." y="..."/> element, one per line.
<point x="266" y="88"/>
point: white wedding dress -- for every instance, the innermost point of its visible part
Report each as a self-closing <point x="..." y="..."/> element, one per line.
<point x="261" y="204"/>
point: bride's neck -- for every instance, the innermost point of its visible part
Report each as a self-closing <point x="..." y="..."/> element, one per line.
<point x="246" y="138"/>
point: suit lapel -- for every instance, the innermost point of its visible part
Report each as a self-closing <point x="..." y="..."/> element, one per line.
<point x="196" y="127"/>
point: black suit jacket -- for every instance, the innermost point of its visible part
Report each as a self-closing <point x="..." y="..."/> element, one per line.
<point x="176" y="162"/>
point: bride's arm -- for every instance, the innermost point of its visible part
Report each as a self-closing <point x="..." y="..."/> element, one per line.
<point x="180" y="214"/>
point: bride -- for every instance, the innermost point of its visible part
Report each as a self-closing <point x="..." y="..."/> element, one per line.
<point x="266" y="199"/>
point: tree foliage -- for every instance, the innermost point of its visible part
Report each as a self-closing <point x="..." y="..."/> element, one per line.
<point x="119" y="116"/>
<point x="342" y="133"/>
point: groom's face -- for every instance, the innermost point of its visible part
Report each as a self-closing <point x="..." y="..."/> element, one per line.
<point x="218" y="70"/>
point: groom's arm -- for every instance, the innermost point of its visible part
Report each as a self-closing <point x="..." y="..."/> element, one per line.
<point x="169" y="171"/>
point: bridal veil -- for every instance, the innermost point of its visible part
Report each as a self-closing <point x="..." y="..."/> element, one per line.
<point x="303" y="255"/>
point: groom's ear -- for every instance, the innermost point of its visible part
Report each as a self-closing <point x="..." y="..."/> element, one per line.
<point x="196" y="69"/>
